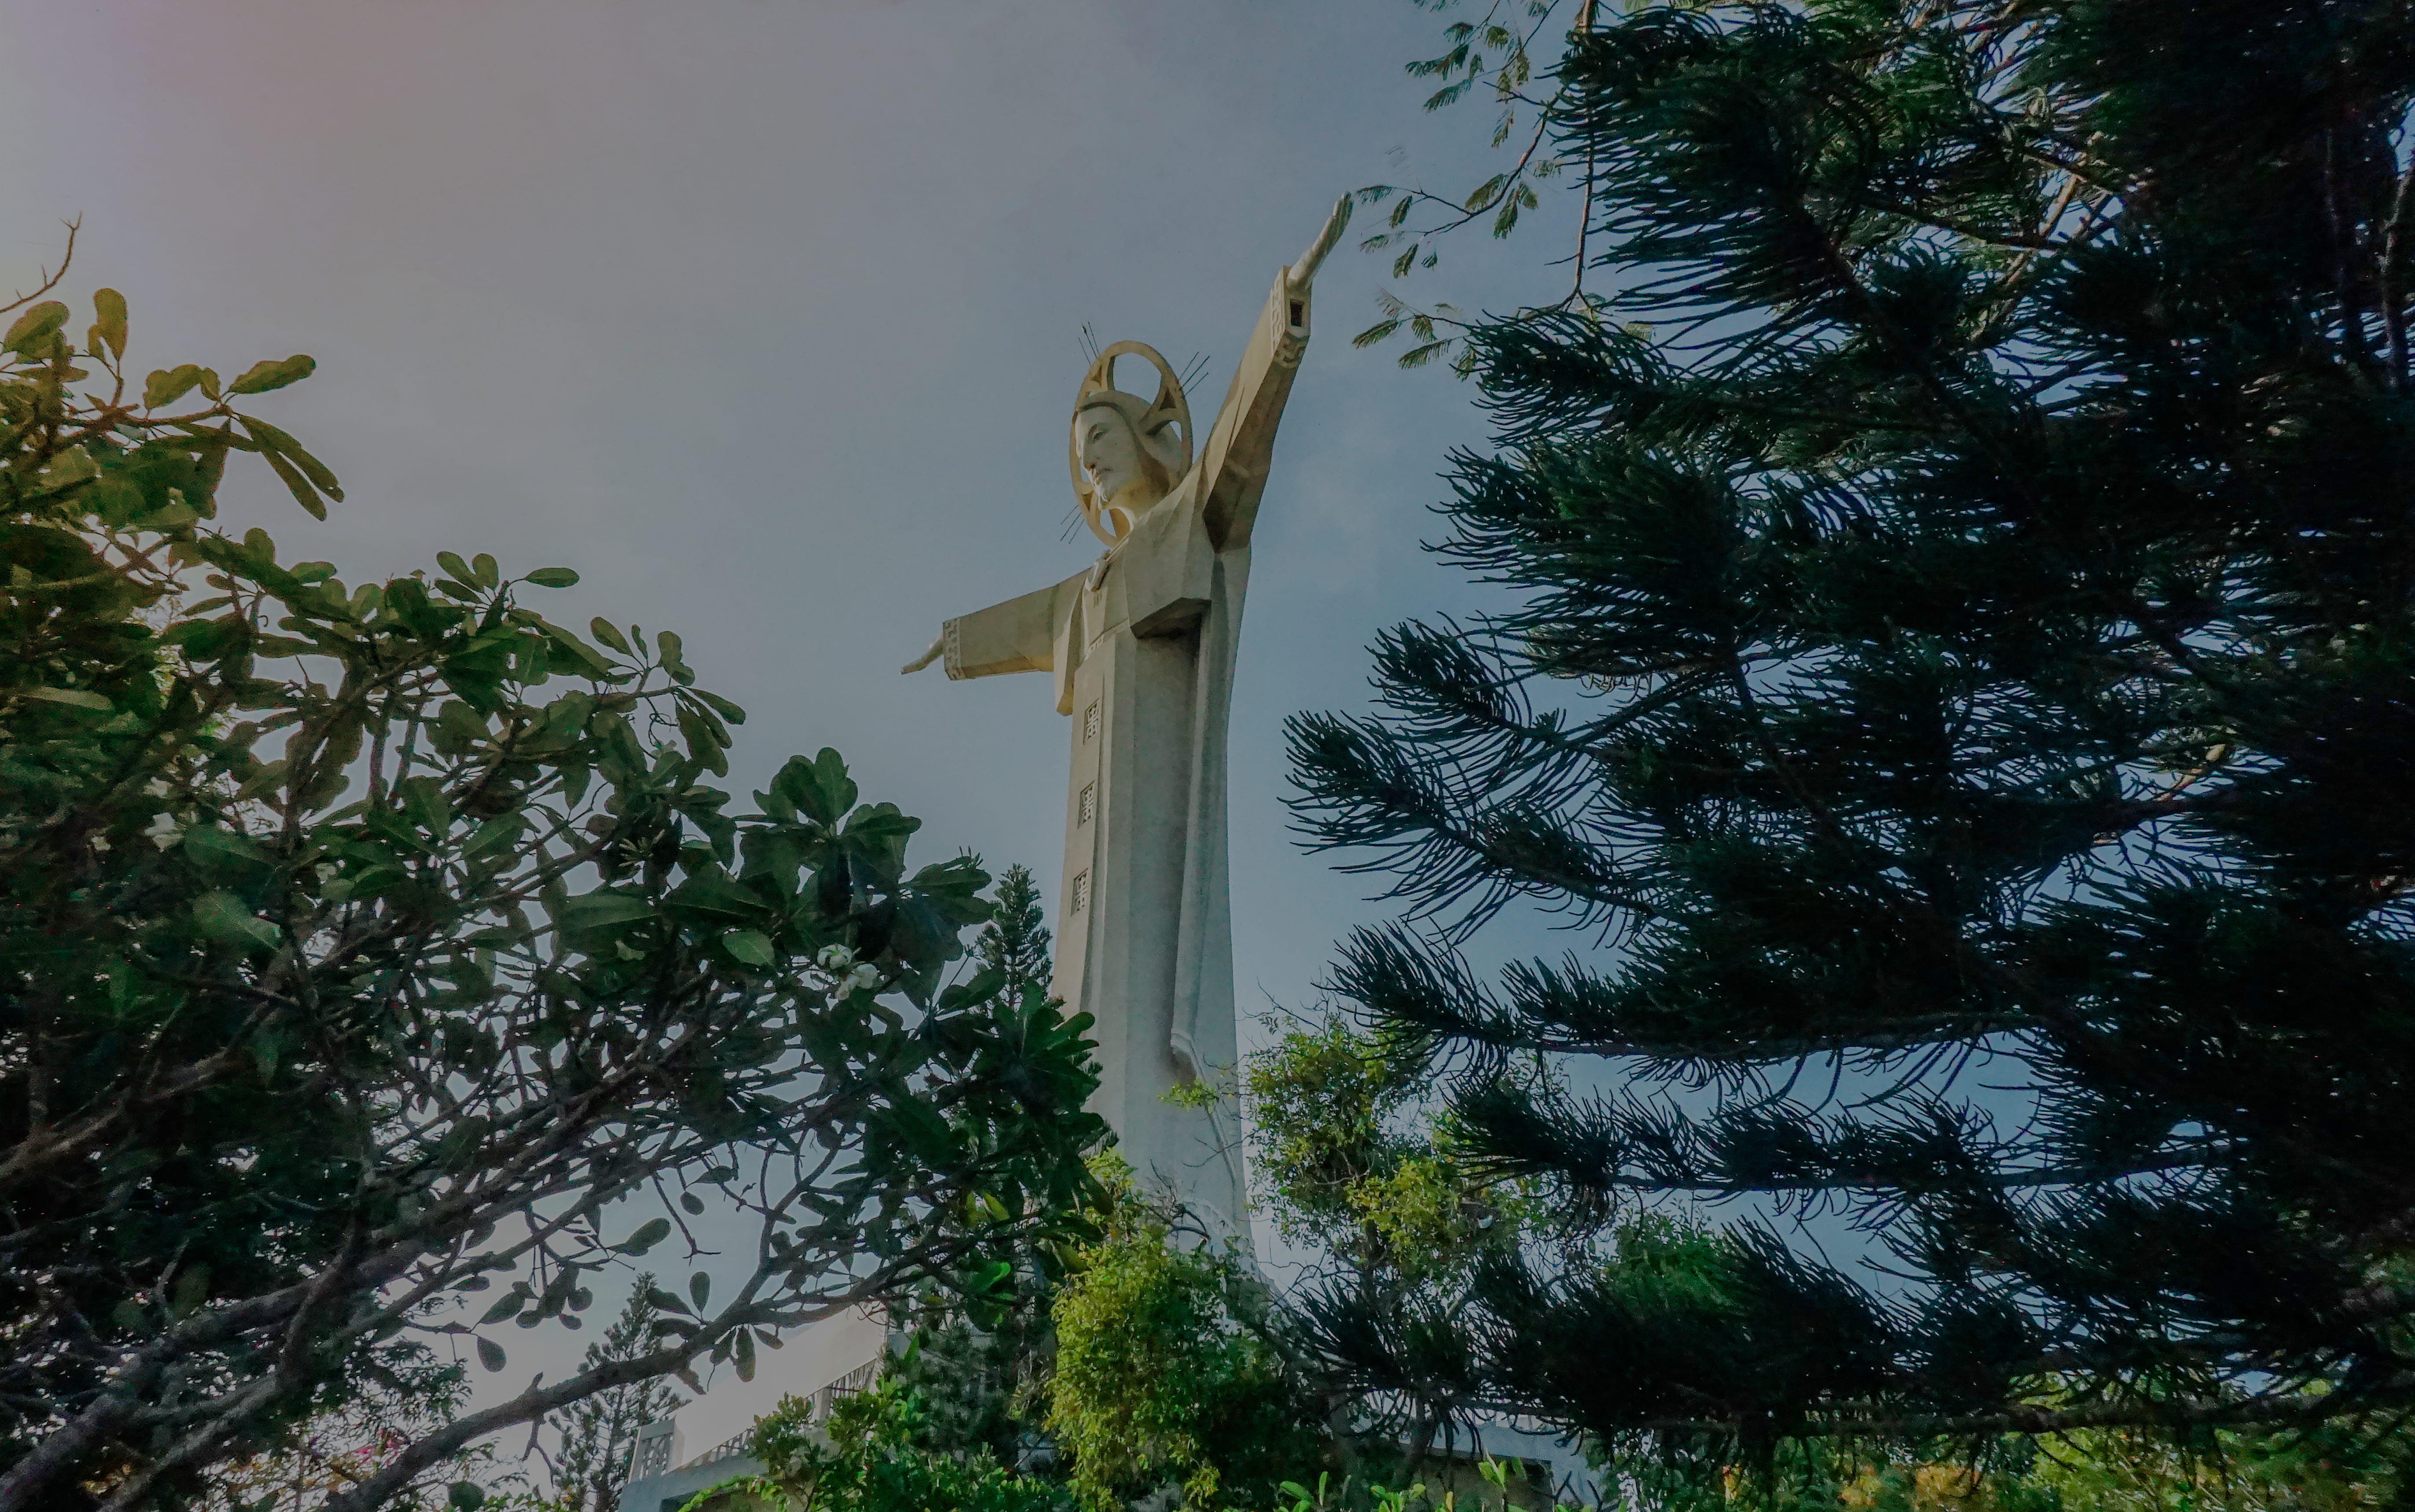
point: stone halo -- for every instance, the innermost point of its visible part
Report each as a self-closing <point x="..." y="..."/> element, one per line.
<point x="1171" y="406"/>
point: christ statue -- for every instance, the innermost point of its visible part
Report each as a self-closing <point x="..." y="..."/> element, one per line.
<point x="1140" y="647"/>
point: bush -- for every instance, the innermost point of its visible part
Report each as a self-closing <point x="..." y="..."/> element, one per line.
<point x="869" y="1458"/>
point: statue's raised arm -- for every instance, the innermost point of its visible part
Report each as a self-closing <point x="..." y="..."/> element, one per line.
<point x="1232" y="464"/>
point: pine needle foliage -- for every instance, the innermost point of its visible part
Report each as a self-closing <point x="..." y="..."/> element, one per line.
<point x="1014" y="943"/>
<point x="599" y="1435"/>
<point x="977" y="1364"/>
<point x="1959" y="684"/>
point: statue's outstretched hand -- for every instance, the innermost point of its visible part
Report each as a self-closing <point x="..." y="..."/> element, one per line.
<point x="1297" y="277"/>
<point x="927" y="657"/>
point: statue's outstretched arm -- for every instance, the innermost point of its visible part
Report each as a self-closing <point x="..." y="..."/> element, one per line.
<point x="1240" y="446"/>
<point x="1018" y="635"/>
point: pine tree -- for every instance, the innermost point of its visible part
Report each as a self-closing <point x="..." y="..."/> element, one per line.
<point x="1960" y="681"/>
<point x="1014" y="943"/>
<point x="599" y="1434"/>
<point x="977" y="1379"/>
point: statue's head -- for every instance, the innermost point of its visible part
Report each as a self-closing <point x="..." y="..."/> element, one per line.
<point x="1126" y="452"/>
<point x="1129" y="470"/>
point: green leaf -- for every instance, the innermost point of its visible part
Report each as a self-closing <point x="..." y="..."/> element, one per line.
<point x="493" y="835"/>
<point x="742" y="1355"/>
<point x="721" y="706"/>
<point x="700" y="1286"/>
<point x="222" y="916"/>
<point x="667" y="648"/>
<point x="603" y="630"/>
<point x="923" y="1131"/>
<point x="169" y="384"/>
<point x="461" y="727"/>
<point x="650" y="1233"/>
<point x="226" y="845"/>
<point x="109" y="323"/>
<point x="279" y="443"/>
<point x="36" y="327"/>
<point x="594" y="910"/>
<point x="262" y="376"/>
<point x="586" y="655"/>
<point x="553" y="577"/>
<point x="425" y="802"/>
<point x="751" y="945"/>
<point x="455" y="568"/>
<point x="468" y="1495"/>
<point x="192" y="1290"/>
<point x="72" y="697"/>
<point x="709" y="897"/>
<point x="297" y="485"/>
<point x="489" y="576"/>
<point x="827" y="791"/>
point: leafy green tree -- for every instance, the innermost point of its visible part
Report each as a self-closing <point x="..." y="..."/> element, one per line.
<point x="1361" y="1172"/>
<point x="1957" y="631"/>
<point x="2322" y="1467"/>
<point x="872" y="1457"/>
<point x="599" y="1434"/>
<point x="1166" y="1370"/>
<point x="362" y="947"/>
<point x="2325" y="1467"/>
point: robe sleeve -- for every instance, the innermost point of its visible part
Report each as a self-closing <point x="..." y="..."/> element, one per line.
<point x="1018" y="635"/>
<point x="1233" y="465"/>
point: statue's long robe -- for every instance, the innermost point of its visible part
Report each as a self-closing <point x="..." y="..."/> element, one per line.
<point x="1141" y="647"/>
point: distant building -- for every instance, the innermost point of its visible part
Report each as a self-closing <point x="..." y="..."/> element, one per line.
<point x="660" y="1480"/>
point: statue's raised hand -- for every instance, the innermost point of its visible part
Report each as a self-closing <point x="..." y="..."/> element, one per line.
<point x="1297" y="277"/>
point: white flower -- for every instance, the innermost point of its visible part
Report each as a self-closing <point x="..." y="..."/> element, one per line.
<point x="834" y="958"/>
<point x="863" y="978"/>
<point x="163" y="830"/>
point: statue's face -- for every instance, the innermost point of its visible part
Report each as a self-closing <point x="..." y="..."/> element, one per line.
<point x="1110" y="455"/>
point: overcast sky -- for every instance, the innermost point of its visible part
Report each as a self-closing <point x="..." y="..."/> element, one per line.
<point x="764" y="315"/>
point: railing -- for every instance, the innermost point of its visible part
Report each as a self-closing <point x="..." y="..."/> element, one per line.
<point x="855" y="1381"/>
<point x="726" y="1449"/>
<point x="652" y="1455"/>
